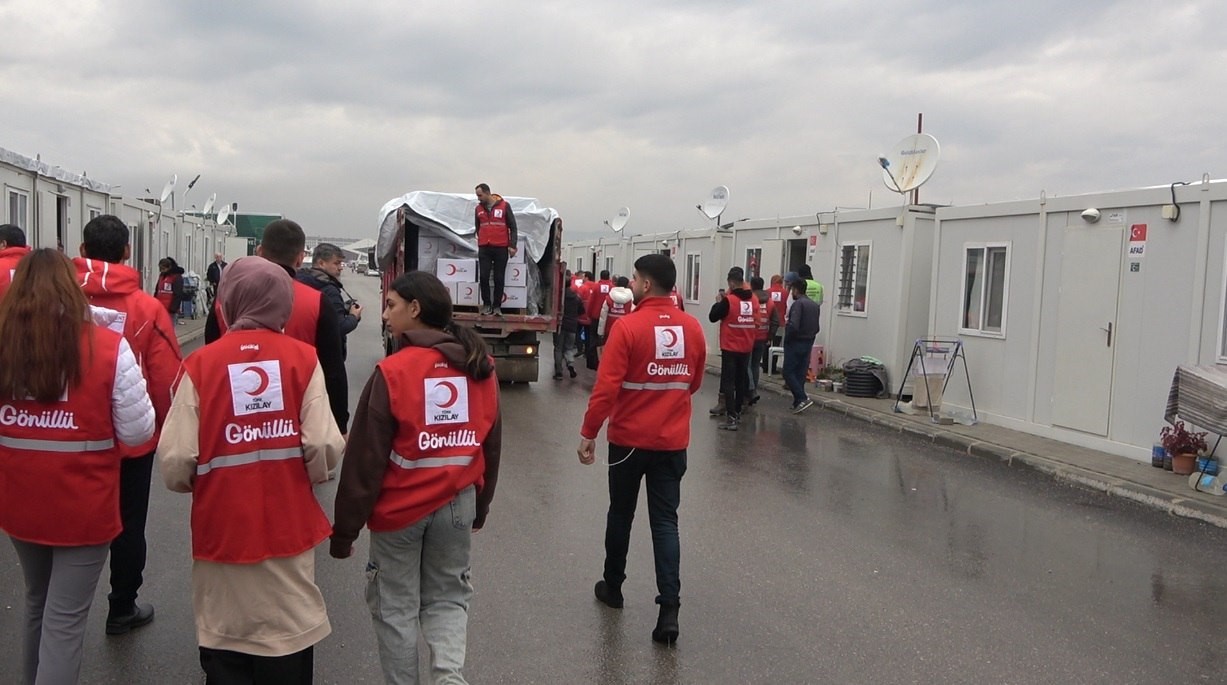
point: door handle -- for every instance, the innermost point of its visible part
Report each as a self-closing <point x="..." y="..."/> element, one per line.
<point x="1108" y="330"/>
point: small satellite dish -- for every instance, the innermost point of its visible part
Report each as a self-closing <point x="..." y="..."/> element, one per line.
<point x="223" y="214"/>
<point x="209" y="205"/>
<point x="169" y="187"/>
<point x="910" y="163"/>
<point x="715" y="203"/>
<point x="620" y="219"/>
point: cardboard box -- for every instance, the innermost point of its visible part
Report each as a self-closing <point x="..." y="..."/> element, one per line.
<point x="519" y="255"/>
<point x="516" y="276"/>
<point x="466" y="295"/>
<point x="515" y="298"/>
<point x="457" y="270"/>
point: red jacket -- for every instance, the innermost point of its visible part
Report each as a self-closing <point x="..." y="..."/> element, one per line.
<point x="779" y="302"/>
<point x="492" y="228"/>
<point x="739" y="326"/>
<point x="762" y="333"/>
<point x="304" y="317"/>
<point x="596" y="297"/>
<point x="653" y="363"/>
<point x="9" y="257"/>
<point x="147" y="327"/>
<point x="585" y="291"/>
<point x="676" y="298"/>
<point x="252" y="498"/>
<point x="443" y="417"/>
<point x="59" y="461"/>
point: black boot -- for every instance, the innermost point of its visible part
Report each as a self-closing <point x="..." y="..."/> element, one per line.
<point x="609" y="595"/>
<point x="666" y="626"/>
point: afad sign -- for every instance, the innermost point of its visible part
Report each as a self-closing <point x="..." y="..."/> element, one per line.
<point x="447" y="400"/>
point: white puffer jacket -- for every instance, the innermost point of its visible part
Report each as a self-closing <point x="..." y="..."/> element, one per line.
<point x="131" y="410"/>
<point x="619" y="295"/>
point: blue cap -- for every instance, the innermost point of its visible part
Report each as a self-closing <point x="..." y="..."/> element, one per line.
<point x="791" y="276"/>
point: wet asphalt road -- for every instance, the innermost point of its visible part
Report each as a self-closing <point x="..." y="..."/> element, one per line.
<point x="815" y="549"/>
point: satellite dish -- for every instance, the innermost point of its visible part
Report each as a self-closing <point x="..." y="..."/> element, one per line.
<point x="619" y="220"/>
<point x="209" y="205"/>
<point x="223" y="214"/>
<point x="169" y="187"/>
<point x="910" y="163"/>
<point x="715" y="203"/>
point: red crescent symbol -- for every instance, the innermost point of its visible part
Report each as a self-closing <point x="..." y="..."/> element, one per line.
<point x="453" y="392"/>
<point x="672" y="338"/>
<point x="451" y="269"/>
<point x="263" y="376"/>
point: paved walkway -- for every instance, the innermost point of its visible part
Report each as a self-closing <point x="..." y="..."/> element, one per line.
<point x="1109" y="473"/>
<point x="190" y="330"/>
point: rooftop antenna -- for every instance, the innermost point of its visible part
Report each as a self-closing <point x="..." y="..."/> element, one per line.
<point x="223" y="214"/>
<point x="168" y="191"/>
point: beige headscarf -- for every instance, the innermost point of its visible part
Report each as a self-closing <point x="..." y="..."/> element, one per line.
<point x="255" y="293"/>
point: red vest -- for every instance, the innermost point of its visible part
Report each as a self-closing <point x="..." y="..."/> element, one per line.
<point x="165" y="292"/>
<point x="9" y="257"/>
<point x="304" y="317"/>
<point x="59" y="461"/>
<point x="677" y="300"/>
<point x="740" y="325"/>
<point x="252" y="499"/>
<point x="492" y="225"/>
<point x="442" y="417"/>
<point x="615" y="311"/>
<point x="764" y="327"/>
<point x="779" y="301"/>
<point x="596" y="297"/>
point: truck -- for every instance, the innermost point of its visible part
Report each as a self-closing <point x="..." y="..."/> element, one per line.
<point x="435" y="232"/>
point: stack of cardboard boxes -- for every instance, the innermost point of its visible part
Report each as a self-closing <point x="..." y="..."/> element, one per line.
<point x="460" y="277"/>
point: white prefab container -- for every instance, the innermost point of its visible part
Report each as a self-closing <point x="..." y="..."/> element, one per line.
<point x="1073" y="328"/>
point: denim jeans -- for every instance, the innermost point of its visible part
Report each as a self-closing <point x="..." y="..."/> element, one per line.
<point x="418" y="581"/>
<point x="796" y="361"/>
<point x="564" y="350"/>
<point x="663" y="473"/>
<point x="758" y="360"/>
<point x="734" y="380"/>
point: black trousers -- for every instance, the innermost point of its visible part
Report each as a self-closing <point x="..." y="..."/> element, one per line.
<point x="662" y="472"/>
<point x="491" y="261"/>
<point x="734" y="380"/>
<point x="224" y="667"/>
<point x="128" y="549"/>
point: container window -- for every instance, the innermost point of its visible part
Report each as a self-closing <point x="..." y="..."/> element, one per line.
<point x="985" y="282"/>
<point x="854" y="278"/>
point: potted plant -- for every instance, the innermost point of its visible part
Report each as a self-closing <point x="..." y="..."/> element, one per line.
<point x="1184" y="446"/>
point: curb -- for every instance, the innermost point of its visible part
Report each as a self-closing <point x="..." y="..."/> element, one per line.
<point x="1060" y="471"/>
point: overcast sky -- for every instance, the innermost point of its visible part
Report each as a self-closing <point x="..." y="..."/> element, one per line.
<point x="324" y="111"/>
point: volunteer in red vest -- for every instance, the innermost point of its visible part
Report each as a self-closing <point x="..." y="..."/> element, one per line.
<point x="676" y="298"/>
<point x="147" y="327"/>
<point x="169" y="289"/>
<point x="762" y="338"/>
<point x="778" y="295"/>
<point x="59" y="461"/>
<point x="594" y="297"/>
<point x="420" y="471"/>
<point x="618" y="303"/>
<point x="653" y="363"/>
<point x="496" y="241"/>
<point x="312" y="320"/>
<point x="737" y="313"/>
<point x="249" y="431"/>
<point x="12" y="248"/>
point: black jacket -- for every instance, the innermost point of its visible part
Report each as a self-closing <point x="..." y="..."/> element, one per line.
<point x="572" y="306"/>
<point x="335" y="296"/>
<point x="214" y="273"/>
<point x="327" y="349"/>
<point x="803" y="320"/>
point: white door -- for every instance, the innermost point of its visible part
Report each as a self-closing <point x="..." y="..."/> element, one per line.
<point x="773" y="259"/>
<point x="1086" y="328"/>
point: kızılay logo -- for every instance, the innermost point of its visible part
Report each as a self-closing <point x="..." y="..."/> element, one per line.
<point x="669" y="342"/>
<point x="255" y="387"/>
<point x="447" y="400"/>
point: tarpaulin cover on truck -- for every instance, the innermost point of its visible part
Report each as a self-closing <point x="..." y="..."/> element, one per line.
<point x="450" y="216"/>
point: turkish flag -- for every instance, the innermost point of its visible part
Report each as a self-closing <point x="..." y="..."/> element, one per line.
<point x="1137" y="233"/>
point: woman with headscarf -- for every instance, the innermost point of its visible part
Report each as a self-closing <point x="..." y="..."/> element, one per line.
<point x="80" y="390"/>
<point x="169" y="290"/>
<point x="420" y="471"/>
<point x="248" y="432"/>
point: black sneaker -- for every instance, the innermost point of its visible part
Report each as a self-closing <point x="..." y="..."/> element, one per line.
<point x="716" y="411"/>
<point x="666" y="629"/>
<point x="141" y="615"/>
<point x="731" y="424"/>
<point x="798" y="408"/>
<point x="571" y="370"/>
<point x="558" y="376"/>
<point x="609" y="596"/>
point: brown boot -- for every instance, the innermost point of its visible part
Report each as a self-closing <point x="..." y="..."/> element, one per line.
<point x="717" y="410"/>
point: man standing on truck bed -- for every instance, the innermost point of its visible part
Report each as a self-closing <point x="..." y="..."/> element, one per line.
<point x="496" y="241"/>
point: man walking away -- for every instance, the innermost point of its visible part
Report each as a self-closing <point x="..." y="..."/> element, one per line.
<point x="324" y="274"/>
<point x="653" y="364"/>
<point x="496" y="241"/>
<point x="12" y="248"/>
<point x="737" y="312"/>
<point x="799" y="334"/>
<point x="767" y="324"/>
<point x="147" y="327"/>
<point x="564" y="339"/>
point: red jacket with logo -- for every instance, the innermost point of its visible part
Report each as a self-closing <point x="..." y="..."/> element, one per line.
<point x="304" y="317"/>
<point x="585" y="292"/>
<point x="762" y="333"/>
<point x="653" y="363"/>
<point x="492" y="228"/>
<point x="677" y="300"/>
<point x="9" y="257"/>
<point x="147" y="327"/>
<point x="59" y="461"/>
<point x="596" y="297"/>
<point x="779" y="302"/>
<point x="443" y="417"/>
<point x="252" y="498"/>
<point x="739" y="326"/>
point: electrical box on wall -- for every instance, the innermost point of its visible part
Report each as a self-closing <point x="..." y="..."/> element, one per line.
<point x="1171" y="212"/>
